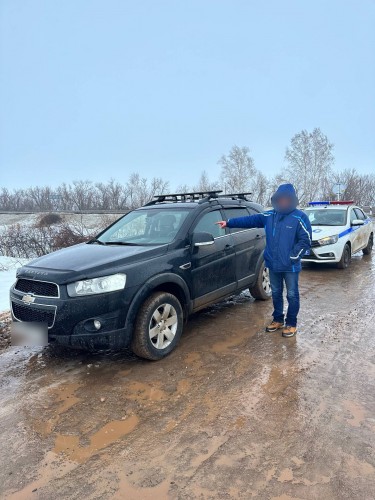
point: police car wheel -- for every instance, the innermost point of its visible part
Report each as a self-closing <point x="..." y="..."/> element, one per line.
<point x="346" y="257"/>
<point x="368" y="249"/>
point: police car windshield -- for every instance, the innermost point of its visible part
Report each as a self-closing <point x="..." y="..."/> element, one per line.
<point x="326" y="217"/>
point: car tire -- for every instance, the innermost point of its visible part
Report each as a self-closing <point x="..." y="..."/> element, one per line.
<point x="158" y="326"/>
<point x="368" y="249"/>
<point x="346" y="257"/>
<point x="261" y="290"/>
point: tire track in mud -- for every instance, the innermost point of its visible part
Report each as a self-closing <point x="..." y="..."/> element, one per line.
<point x="232" y="413"/>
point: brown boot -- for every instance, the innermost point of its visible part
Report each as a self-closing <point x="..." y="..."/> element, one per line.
<point x="275" y="325"/>
<point x="289" y="331"/>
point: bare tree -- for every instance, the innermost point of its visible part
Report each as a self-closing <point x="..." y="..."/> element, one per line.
<point x="82" y="195"/>
<point x="237" y="170"/>
<point x="184" y="188"/>
<point x="139" y="191"/>
<point x="204" y="183"/>
<point x="158" y="185"/>
<point x="359" y="187"/>
<point x="273" y="184"/>
<point x="116" y="194"/>
<point x="309" y="158"/>
<point x="260" y="188"/>
<point x="64" y="196"/>
<point x="6" y="199"/>
<point x="110" y="195"/>
<point x="40" y="197"/>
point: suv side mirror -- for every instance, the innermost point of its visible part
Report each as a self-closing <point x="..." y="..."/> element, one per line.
<point x="357" y="222"/>
<point x="202" y="239"/>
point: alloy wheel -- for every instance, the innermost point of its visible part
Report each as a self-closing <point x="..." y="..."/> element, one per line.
<point x="163" y="326"/>
<point x="266" y="283"/>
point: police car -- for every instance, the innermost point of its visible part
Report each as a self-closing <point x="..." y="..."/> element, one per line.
<point x="339" y="230"/>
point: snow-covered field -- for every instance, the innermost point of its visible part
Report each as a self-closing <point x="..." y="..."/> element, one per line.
<point x="80" y="223"/>
<point x="8" y="267"/>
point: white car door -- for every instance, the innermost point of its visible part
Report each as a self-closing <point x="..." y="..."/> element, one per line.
<point x="363" y="231"/>
<point x="355" y="236"/>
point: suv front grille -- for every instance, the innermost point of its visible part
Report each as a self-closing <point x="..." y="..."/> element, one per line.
<point x="40" y="288"/>
<point x="33" y="314"/>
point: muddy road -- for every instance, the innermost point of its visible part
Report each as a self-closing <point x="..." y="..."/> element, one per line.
<point x="234" y="412"/>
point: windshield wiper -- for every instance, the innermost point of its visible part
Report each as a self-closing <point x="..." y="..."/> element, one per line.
<point x="95" y="240"/>
<point x="127" y="243"/>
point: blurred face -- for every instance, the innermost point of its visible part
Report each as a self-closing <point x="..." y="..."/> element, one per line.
<point x="283" y="202"/>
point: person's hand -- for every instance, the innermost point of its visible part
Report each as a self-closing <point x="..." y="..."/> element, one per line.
<point x="222" y="223"/>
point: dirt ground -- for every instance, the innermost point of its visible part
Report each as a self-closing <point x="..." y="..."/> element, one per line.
<point x="233" y="412"/>
<point x="5" y="339"/>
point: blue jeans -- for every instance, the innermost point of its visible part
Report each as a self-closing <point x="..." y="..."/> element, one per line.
<point x="292" y="294"/>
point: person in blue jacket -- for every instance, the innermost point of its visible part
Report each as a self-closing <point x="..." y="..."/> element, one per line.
<point x="288" y="236"/>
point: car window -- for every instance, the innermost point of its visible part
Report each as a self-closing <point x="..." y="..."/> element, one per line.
<point x="329" y="217"/>
<point x="146" y="227"/>
<point x="360" y="214"/>
<point x="231" y="213"/>
<point x="207" y="224"/>
<point x="353" y="215"/>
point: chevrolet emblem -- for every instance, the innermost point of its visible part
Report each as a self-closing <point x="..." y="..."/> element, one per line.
<point x="28" y="299"/>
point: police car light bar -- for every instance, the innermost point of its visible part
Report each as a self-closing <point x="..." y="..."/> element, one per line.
<point x="324" y="203"/>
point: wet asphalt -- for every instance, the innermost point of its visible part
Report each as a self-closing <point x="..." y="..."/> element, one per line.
<point x="233" y="412"/>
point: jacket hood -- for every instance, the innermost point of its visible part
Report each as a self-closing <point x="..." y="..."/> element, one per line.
<point x="285" y="191"/>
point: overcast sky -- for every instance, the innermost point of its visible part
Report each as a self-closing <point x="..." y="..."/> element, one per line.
<point x="101" y="88"/>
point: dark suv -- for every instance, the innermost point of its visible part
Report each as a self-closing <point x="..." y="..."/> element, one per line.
<point x="136" y="283"/>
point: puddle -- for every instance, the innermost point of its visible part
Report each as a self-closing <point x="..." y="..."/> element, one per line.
<point x="140" y="391"/>
<point x="285" y="475"/>
<point x="108" y="434"/>
<point x="127" y="491"/>
<point x="222" y="416"/>
<point x="212" y="446"/>
<point x="64" y="397"/>
<point x="52" y="469"/>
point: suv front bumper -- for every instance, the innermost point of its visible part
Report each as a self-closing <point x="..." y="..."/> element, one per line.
<point x="70" y="320"/>
<point x="321" y="254"/>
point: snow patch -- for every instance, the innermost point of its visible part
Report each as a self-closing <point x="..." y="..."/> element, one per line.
<point x="8" y="268"/>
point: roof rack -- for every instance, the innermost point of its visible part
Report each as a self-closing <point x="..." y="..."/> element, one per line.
<point x="184" y="197"/>
<point x="236" y="196"/>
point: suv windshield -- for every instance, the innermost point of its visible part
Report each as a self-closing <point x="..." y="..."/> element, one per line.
<point x="331" y="217"/>
<point x="153" y="226"/>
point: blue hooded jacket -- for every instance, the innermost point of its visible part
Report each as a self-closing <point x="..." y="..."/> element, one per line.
<point x="288" y="231"/>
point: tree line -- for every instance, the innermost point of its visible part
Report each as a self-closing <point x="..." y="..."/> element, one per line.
<point x="309" y="160"/>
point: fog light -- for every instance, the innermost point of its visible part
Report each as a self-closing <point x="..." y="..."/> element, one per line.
<point x="97" y="324"/>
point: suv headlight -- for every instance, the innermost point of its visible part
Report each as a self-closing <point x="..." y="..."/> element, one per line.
<point x="97" y="285"/>
<point x="329" y="240"/>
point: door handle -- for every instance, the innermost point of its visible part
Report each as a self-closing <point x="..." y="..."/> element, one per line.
<point x="228" y="245"/>
<point x="258" y="236"/>
<point x="186" y="266"/>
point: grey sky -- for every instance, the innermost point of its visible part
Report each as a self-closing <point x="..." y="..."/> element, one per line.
<point x="99" y="89"/>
